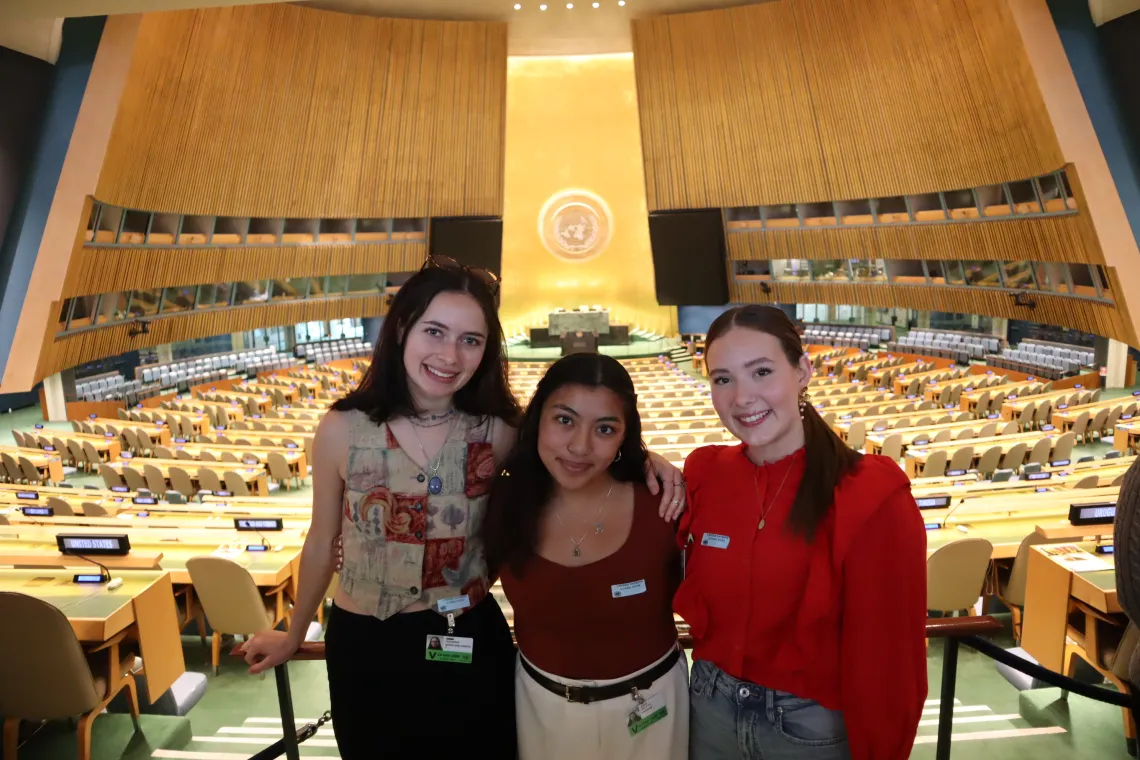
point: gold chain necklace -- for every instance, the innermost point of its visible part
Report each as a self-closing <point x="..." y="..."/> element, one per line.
<point x="768" y="508"/>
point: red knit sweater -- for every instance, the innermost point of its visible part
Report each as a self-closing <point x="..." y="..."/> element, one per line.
<point x="841" y="620"/>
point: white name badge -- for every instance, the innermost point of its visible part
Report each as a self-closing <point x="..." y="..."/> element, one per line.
<point x="454" y="603"/>
<point x="715" y="540"/>
<point x="627" y="589"/>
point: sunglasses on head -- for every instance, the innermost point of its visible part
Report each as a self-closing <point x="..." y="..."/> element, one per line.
<point x="486" y="276"/>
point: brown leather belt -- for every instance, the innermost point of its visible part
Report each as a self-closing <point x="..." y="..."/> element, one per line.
<point x="587" y="694"/>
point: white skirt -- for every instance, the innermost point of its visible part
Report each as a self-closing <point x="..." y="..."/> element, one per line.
<point x="550" y="728"/>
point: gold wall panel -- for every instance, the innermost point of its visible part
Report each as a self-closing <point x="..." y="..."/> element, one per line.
<point x="107" y="270"/>
<point x="278" y="110"/>
<point x="1088" y="316"/>
<point x="572" y="126"/>
<point x="808" y="101"/>
<point x="67" y="351"/>
<point x="1041" y="239"/>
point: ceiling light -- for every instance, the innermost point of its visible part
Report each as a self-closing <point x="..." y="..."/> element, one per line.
<point x="569" y="6"/>
<point x="621" y="2"/>
<point x="518" y="7"/>
<point x="542" y="7"/>
<point x="597" y="4"/>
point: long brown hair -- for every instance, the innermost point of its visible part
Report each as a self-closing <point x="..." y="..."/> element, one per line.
<point x="828" y="456"/>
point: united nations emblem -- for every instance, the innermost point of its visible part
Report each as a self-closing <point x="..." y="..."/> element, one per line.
<point x="575" y="225"/>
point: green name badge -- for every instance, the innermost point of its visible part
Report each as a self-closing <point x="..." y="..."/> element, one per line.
<point x="449" y="649"/>
<point x="647" y="713"/>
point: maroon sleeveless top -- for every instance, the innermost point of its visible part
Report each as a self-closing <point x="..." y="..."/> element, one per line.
<point x="574" y="623"/>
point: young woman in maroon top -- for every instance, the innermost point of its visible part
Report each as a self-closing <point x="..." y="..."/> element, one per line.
<point x="590" y="570"/>
<point x="805" y="583"/>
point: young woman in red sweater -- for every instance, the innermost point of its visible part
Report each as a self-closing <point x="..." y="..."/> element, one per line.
<point x="805" y="583"/>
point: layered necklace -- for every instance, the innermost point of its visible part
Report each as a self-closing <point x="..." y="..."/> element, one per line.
<point x="598" y="524"/>
<point x="431" y="469"/>
<point x="431" y="420"/>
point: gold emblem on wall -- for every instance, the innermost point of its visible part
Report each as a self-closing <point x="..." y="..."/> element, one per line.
<point x="575" y="225"/>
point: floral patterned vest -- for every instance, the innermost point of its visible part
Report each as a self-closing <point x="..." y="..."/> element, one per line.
<point x="402" y="544"/>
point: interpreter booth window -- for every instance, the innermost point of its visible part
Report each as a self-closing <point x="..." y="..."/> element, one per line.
<point x="360" y="284"/>
<point x="82" y="311"/>
<point x="144" y="303"/>
<point x="335" y="286"/>
<point x="892" y="210"/>
<point x="982" y="273"/>
<point x="214" y="296"/>
<point x="830" y="270"/>
<point x="791" y="269"/>
<point x="1052" y="277"/>
<point x="178" y="299"/>
<point x="292" y="289"/>
<point x="346" y="328"/>
<point x="1024" y="197"/>
<point x="112" y="307"/>
<point x="953" y="272"/>
<point x="1081" y="277"/>
<point x="868" y="270"/>
<point x="905" y="272"/>
<point x="785" y="215"/>
<point x="1103" y="280"/>
<point x="309" y="332"/>
<point x="1018" y="274"/>
<point x="254" y="291"/>
<point x="752" y="270"/>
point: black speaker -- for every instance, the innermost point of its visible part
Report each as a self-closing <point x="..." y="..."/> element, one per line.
<point x="476" y="241"/>
<point x="689" y="257"/>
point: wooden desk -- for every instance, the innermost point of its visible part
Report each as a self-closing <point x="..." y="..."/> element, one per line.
<point x="916" y="457"/>
<point x="1127" y="437"/>
<point x="110" y="448"/>
<point x="969" y="399"/>
<point x="295" y="457"/>
<point x="1049" y="587"/>
<point x="145" y="603"/>
<point x="48" y="463"/>
<point x="1011" y="409"/>
<point x="160" y="434"/>
<point x="875" y="439"/>
<point x="1064" y="419"/>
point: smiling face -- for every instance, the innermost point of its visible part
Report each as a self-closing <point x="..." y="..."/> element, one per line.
<point x="755" y="391"/>
<point x="443" y="349"/>
<point x="580" y="433"/>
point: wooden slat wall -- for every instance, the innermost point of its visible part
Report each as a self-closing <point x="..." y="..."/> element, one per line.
<point x="1088" y="316"/>
<point x="807" y="101"/>
<point x="278" y="110"/>
<point x="110" y="341"/>
<point x="1043" y="239"/>
<point x="107" y="270"/>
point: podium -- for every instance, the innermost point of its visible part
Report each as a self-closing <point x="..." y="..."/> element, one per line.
<point x="579" y="342"/>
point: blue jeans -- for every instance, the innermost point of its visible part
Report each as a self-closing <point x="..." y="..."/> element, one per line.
<point x="737" y="720"/>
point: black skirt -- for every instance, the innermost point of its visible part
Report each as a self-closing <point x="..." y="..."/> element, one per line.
<point x="389" y="701"/>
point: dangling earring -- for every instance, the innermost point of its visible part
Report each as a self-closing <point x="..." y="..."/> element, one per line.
<point x="803" y="401"/>
<point x="618" y="457"/>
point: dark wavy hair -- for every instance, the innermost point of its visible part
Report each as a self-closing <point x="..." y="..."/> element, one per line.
<point x="524" y="485"/>
<point x="828" y="457"/>
<point x="383" y="391"/>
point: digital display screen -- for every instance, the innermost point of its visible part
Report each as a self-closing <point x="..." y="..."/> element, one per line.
<point x="108" y="435"/>
<point x="127" y="455"/>
<point x="120" y="489"/>
<point x="1062" y="406"/>
<point x="1011" y="396"/>
<point x="846" y="416"/>
<point x="911" y="395"/>
<point x="89" y="578"/>
<point x="38" y="511"/>
<point x="933" y="526"/>
<point x="145" y="500"/>
<point x="1078" y="385"/>
<point x="1101" y="513"/>
<point x="953" y="473"/>
<point x="180" y="440"/>
<point x="160" y="423"/>
<point x="1039" y="476"/>
<point x="259" y="523"/>
<point x="933" y="502"/>
<point x="1126" y="416"/>
<point x="1136" y="393"/>
<point x="92" y="416"/>
<point x="32" y="495"/>
<point x="257" y="548"/>
<point x="880" y="427"/>
<point x="49" y="448"/>
<point x="290" y="445"/>
<point x="80" y="544"/>
<point x="39" y="426"/>
<point x="1059" y="463"/>
<point x="1048" y="427"/>
<point x="992" y="416"/>
<point x="142" y="514"/>
<point x="921" y="441"/>
<point x="989" y="371"/>
<point x="223" y="493"/>
<point x="1106" y="549"/>
<point x="969" y="388"/>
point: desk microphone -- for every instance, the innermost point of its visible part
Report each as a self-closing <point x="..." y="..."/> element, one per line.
<point x="106" y="574"/>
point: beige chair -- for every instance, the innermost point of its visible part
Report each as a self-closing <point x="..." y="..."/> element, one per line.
<point x="229" y="456"/>
<point x="232" y="602"/>
<point x="135" y="480"/>
<point x="955" y="574"/>
<point x="78" y="456"/>
<point x="110" y="476"/>
<point x="91" y="456"/>
<point x="280" y="471"/>
<point x="962" y="459"/>
<point x="235" y="484"/>
<point x="935" y="466"/>
<point x="1063" y="448"/>
<point x="161" y="452"/>
<point x="52" y="678"/>
<point x="892" y="446"/>
<point x="1088" y="481"/>
<point x="1010" y="428"/>
<point x="155" y="480"/>
<point x="1107" y="643"/>
<point x="30" y="472"/>
<point x="208" y="480"/>
<point x="989" y="461"/>
<point x="132" y="440"/>
<point x="1096" y="427"/>
<point x="857" y="434"/>
<point x="987" y="430"/>
<point x="146" y="445"/>
<point x="965" y="434"/>
<point x="944" y="435"/>
<point x="180" y="481"/>
<point x="61" y="507"/>
<point x="1044" y="412"/>
<point x="1080" y="427"/>
<point x="1011" y="579"/>
<point x="183" y="454"/>
<point x="1040" y="453"/>
<point x="1014" y="457"/>
<point x="186" y="426"/>
<point x="91" y="509"/>
<point x="206" y="456"/>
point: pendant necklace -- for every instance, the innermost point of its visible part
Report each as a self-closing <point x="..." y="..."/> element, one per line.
<point x="435" y="482"/>
<point x="767" y="508"/>
<point x="599" y="526"/>
<point x="430" y="420"/>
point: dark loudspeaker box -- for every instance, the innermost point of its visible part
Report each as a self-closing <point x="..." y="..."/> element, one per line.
<point x="476" y="241"/>
<point x="689" y="257"/>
